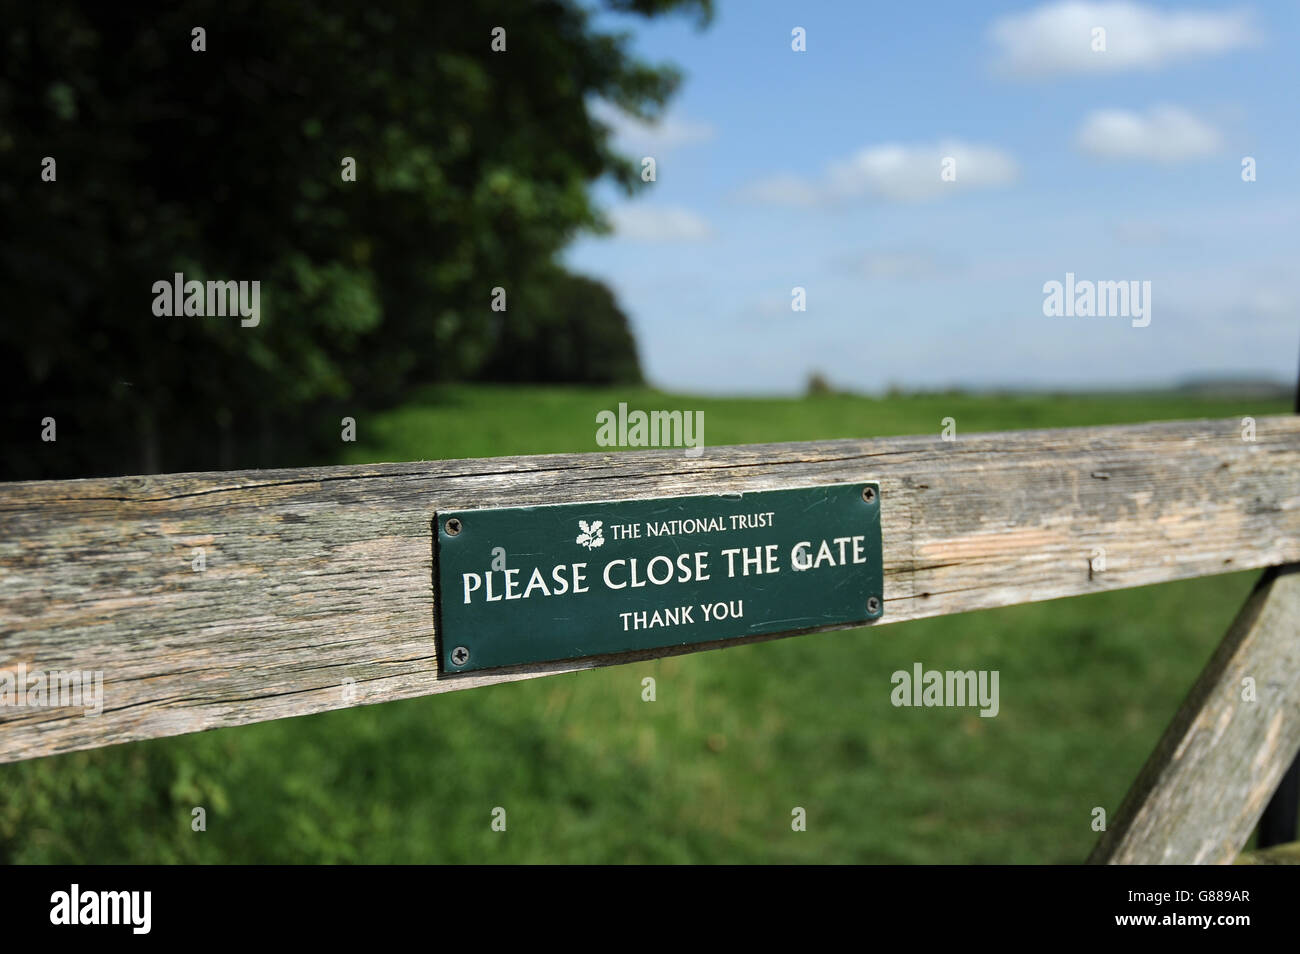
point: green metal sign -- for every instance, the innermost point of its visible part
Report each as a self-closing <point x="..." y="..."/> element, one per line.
<point x="530" y="584"/>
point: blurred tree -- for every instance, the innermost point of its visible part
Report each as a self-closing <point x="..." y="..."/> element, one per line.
<point x="564" y="328"/>
<point x="817" y="385"/>
<point x="472" y="167"/>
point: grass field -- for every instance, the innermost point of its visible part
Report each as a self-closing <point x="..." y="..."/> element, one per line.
<point x="737" y="738"/>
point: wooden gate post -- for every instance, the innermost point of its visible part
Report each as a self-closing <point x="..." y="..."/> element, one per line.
<point x="1203" y="789"/>
<point x="1278" y="825"/>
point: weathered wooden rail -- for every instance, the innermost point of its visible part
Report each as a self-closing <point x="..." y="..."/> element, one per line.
<point x="318" y="591"/>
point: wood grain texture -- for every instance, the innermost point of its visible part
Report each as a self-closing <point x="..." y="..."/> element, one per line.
<point x="319" y="576"/>
<point x="1203" y="789"/>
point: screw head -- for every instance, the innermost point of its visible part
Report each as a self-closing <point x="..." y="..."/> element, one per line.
<point x="869" y="494"/>
<point x="873" y="604"/>
<point x="452" y="527"/>
<point x="460" y="655"/>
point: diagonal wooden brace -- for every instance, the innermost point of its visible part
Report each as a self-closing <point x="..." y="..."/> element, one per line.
<point x="1202" y="791"/>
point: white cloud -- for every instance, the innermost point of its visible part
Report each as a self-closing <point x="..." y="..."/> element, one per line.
<point x="894" y="171"/>
<point x="1136" y="232"/>
<point x="1274" y="304"/>
<point x="648" y="223"/>
<point x="1163" y="134"/>
<point x="783" y="190"/>
<point x="773" y="306"/>
<point x="900" y="264"/>
<point x="913" y="172"/>
<point x="1058" y="37"/>
<point x="632" y="135"/>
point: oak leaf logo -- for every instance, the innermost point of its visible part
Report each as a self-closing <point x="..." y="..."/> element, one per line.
<point x="591" y="536"/>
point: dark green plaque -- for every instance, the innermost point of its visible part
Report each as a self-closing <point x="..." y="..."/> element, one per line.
<point x="528" y="584"/>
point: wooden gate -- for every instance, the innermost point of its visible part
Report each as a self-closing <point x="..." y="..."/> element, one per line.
<point x="320" y="581"/>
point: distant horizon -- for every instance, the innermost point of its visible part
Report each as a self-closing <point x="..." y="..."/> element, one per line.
<point x="1211" y="383"/>
<point x="1209" y="386"/>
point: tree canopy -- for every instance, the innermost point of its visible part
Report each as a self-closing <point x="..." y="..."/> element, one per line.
<point x="469" y="131"/>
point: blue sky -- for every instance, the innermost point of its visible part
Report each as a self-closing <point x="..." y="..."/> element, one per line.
<point x="821" y="169"/>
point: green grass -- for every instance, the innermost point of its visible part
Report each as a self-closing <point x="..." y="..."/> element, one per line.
<point x="710" y="771"/>
<point x="496" y="421"/>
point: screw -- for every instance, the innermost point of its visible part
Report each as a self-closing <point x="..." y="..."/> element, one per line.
<point x="868" y="494"/>
<point x="460" y="655"/>
<point x="873" y="605"/>
<point x="452" y="527"/>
